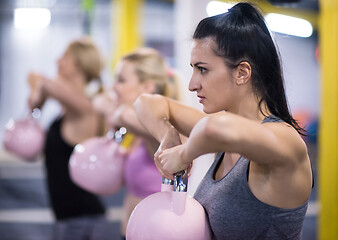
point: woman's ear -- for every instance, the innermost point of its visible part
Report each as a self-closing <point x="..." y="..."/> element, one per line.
<point x="149" y="87"/>
<point x="243" y="73"/>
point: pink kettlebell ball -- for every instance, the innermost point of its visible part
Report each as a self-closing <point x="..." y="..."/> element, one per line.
<point x="96" y="165"/>
<point x="24" y="138"/>
<point x="168" y="216"/>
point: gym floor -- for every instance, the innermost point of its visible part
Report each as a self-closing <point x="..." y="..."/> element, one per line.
<point x="25" y="212"/>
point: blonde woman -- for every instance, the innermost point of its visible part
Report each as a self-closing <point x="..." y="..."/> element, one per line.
<point x="79" y="214"/>
<point x="143" y="71"/>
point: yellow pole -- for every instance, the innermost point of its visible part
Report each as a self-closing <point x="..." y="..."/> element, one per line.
<point x="126" y="22"/>
<point x="328" y="135"/>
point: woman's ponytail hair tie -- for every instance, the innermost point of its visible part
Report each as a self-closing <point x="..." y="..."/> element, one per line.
<point x="170" y="73"/>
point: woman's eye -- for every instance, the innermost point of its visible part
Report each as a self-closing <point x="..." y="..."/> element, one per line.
<point x="120" y="80"/>
<point x="202" y="70"/>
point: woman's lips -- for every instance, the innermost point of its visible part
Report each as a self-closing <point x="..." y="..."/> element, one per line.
<point x="202" y="99"/>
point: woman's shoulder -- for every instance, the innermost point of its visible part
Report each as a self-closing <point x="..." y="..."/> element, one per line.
<point x="288" y="137"/>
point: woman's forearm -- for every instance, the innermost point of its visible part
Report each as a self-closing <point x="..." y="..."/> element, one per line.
<point x="211" y="134"/>
<point x="177" y="158"/>
<point x="36" y="99"/>
<point x="75" y="101"/>
<point x="198" y="143"/>
<point x="154" y="110"/>
<point x="125" y="116"/>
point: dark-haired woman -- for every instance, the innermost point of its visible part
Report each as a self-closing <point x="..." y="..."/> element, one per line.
<point x="260" y="182"/>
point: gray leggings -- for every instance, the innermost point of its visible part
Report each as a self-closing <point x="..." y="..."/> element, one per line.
<point x="81" y="228"/>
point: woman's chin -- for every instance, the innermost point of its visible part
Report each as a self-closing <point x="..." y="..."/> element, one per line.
<point x="209" y="110"/>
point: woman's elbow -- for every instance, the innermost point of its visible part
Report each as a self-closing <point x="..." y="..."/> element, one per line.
<point x="142" y="100"/>
<point x="147" y="103"/>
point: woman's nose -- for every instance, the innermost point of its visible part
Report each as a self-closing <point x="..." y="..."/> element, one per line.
<point x="114" y="87"/>
<point x="61" y="61"/>
<point x="194" y="84"/>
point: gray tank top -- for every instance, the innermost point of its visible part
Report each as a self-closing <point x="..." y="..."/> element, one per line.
<point x="235" y="213"/>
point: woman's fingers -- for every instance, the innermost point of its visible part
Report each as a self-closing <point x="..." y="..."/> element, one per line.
<point x="158" y="152"/>
<point x="189" y="169"/>
<point x="164" y="173"/>
<point x="34" y="79"/>
<point x="160" y="163"/>
<point x="162" y="156"/>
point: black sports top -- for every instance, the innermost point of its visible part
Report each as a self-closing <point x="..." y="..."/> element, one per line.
<point x="67" y="199"/>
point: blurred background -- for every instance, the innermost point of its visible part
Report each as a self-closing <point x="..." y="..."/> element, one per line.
<point x="33" y="41"/>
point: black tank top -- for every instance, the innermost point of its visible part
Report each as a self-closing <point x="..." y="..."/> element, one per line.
<point x="67" y="199"/>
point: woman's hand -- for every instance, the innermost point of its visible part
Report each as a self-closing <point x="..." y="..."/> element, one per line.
<point x="105" y="103"/>
<point x="167" y="157"/>
<point x="170" y="161"/>
<point x="36" y="97"/>
<point x="35" y="80"/>
<point x="116" y="117"/>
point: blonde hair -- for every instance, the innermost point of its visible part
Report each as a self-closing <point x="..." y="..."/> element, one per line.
<point x="87" y="58"/>
<point x="150" y="65"/>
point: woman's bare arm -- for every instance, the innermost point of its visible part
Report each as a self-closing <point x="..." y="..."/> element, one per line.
<point x="59" y="90"/>
<point x="76" y="101"/>
<point x="36" y="98"/>
<point x="125" y="116"/>
<point x="154" y="110"/>
<point x="274" y="144"/>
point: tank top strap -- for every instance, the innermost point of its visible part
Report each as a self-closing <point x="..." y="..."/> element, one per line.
<point x="272" y="118"/>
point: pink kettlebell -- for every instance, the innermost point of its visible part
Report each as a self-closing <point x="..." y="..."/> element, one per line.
<point x="25" y="138"/>
<point x="169" y="215"/>
<point x="96" y="165"/>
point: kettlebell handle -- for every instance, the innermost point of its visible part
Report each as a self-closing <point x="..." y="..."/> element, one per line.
<point x="181" y="181"/>
<point x="36" y="113"/>
<point x="179" y="184"/>
<point x="166" y="181"/>
<point x="121" y="136"/>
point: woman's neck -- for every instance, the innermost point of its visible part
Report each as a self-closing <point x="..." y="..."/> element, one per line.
<point x="250" y="108"/>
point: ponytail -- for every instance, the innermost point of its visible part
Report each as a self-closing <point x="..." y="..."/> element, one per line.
<point x="173" y="86"/>
<point x="150" y="65"/>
